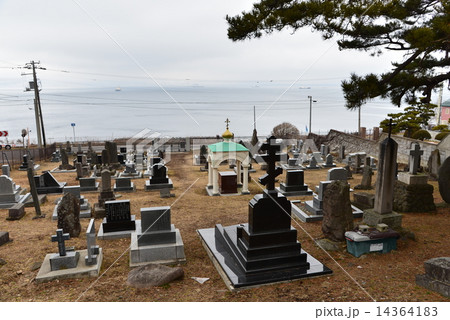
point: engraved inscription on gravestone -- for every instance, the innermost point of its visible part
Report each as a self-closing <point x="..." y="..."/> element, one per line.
<point x="118" y="210"/>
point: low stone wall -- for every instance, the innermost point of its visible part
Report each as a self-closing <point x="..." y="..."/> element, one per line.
<point x="404" y="145"/>
<point x="352" y="143"/>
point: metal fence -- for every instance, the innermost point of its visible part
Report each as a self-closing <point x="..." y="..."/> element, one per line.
<point x="15" y="156"/>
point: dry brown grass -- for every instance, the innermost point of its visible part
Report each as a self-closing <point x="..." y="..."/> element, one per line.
<point x="386" y="277"/>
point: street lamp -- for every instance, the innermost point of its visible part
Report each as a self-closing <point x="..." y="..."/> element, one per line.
<point x="310" y="111"/>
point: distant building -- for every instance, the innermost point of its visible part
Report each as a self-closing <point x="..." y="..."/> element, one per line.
<point x="445" y="112"/>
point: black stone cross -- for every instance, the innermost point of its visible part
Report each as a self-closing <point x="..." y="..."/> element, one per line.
<point x="227" y="122"/>
<point x="271" y="147"/>
<point x="60" y="237"/>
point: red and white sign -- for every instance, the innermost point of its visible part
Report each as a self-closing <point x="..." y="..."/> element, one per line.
<point x="3" y="133"/>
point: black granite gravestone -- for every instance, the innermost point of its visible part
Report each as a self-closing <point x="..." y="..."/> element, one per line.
<point x="264" y="250"/>
<point x="105" y="157"/>
<point x="159" y="174"/>
<point x="154" y="160"/>
<point x="118" y="217"/>
<point x="295" y="184"/>
<point x="46" y="183"/>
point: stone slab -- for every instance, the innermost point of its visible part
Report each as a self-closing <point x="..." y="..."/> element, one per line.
<point x="16" y="212"/>
<point x="51" y="190"/>
<point x="234" y="278"/>
<point x="22" y="199"/>
<point x="438" y="268"/>
<point x="4" y="237"/>
<point x="408" y="178"/>
<point x="372" y="218"/>
<point x="287" y="167"/>
<point x="307" y="192"/>
<point x="171" y="253"/>
<point x="209" y="191"/>
<point x="81" y="271"/>
<point x="150" y="187"/>
<point x="41" y="199"/>
<point x="363" y="200"/>
<point x="36" y="168"/>
<point x="131" y="188"/>
<point x="437" y="276"/>
<point x="90" y="189"/>
<point x="429" y="283"/>
<point x="113" y="235"/>
<point x="137" y="175"/>
<point x="69" y="261"/>
<point x="305" y="217"/>
<point x="57" y="170"/>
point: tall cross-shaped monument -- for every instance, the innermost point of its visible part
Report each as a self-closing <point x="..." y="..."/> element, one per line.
<point x="271" y="157"/>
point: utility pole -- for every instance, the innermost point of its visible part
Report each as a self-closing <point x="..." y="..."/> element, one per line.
<point x="37" y="101"/>
<point x="439" y="104"/>
<point x="310" y="111"/>
<point x="38" y="123"/>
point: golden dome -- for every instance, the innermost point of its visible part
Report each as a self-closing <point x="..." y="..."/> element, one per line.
<point x="227" y="134"/>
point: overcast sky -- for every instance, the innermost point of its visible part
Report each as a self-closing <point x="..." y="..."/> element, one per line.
<point x="167" y="40"/>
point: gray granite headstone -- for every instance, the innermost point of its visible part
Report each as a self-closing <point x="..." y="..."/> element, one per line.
<point x="5" y="170"/>
<point x="313" y="163"/>
<point x="88" y="184"/>
<point x="63" y="259"/>
<point x="156" y="227"/>
<point x="384" y="195"/>
<point x="434" y="163"/>
<point x="384" y="189"/>
<point x="337" y="174"/>
<point x="329" y="161"/>
<point x="75" y="190"/>
<point x="64" y="157"/>
<point x="322" y="150"/>
<point x="106" y="180"/>
<point x="8" y="190"/>
<point x="92" y="249"/>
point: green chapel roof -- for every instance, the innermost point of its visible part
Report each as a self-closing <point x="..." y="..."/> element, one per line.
<point x="226" y="146"/>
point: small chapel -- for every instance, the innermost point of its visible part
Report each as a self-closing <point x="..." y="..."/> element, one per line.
<point x="227" y="182"/>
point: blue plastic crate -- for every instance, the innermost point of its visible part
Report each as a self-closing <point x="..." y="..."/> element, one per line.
<point x="359" y="244"/>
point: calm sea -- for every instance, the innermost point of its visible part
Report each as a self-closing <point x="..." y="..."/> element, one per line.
<point x="108" y="113"/>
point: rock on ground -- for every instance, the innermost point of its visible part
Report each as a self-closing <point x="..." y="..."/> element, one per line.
<point x="69" y="215"/>
<point x="151" y="275"/>
<point x="337" y="211"/>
